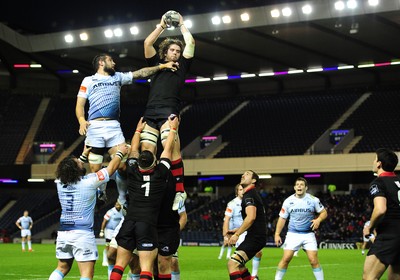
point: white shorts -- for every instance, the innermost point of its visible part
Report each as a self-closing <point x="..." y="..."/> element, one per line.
<point x="113" y="243"/>
<point x="104" y="134"/>
<point x="294" y="241"/>
<point x="78" y="244"/>
<point x="108" y="233"/>
<point x="25" y="232"/>
<point x="365" y="239"/>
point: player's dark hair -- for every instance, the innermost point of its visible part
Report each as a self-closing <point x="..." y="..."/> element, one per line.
<point x="97" y="59"/>
<point x="146" y="159"/>
<point x="388" y="158"/>
<point x="254" y="176"/>
<point x="68" y="171"/>
<point x="302" y="179"/>
<point x="164" y="46"/>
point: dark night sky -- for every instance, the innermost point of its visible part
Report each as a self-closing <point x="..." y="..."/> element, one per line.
<point x="35" y="17"/>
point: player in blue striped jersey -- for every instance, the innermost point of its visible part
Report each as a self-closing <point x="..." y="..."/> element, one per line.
<point x="25" y="223"/>
<point x="77" y="195"/>
<point x="306" y="213"/>
<point x="101" y="127"/>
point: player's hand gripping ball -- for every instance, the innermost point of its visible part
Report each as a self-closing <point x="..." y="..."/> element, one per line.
<point x="171" y="19"/>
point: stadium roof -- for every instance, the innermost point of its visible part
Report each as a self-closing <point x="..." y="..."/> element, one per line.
<point x="330" y="47"/>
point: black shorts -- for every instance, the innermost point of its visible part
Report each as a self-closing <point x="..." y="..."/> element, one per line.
<point x="252" y="245"/>
<point x="168" y="241"/>
<point x="137" y="235"/>
<point x="156" y="118"/>
<point x="386" y="248"/>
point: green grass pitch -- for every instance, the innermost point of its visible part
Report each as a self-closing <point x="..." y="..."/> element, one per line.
<point x="197" y="263"/>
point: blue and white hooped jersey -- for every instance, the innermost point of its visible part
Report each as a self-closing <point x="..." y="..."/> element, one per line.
<point x="78" y="201"/>
<point x="25" y="222"/>
<point x="103" y="94"/>
<point x="234" y="210"/>
<point x="300" y="212"/>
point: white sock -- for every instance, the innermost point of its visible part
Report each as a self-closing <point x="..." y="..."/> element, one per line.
<point x="318" y="273"/>
<point x="105" y="259"/>
<point x="122" y="188"/>
<point x="30" y="245"/>
<point x="131" y="276"/>
<point x="229" y="252"/>
<point x="23" y="245"/>
<point x="175" y="275"/>
<point x="56" y="275"/>
<point x="221" y="252"/>
<point x="279" y="274"/>
<point x="256" y="264"/>
<point x="110" y="268"/>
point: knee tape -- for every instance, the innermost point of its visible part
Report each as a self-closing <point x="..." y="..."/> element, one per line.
<point x="236" y="257"/>
<point x="95" y="158"/>
<point x="164" y="134"/>
<point x="149" y="137"/>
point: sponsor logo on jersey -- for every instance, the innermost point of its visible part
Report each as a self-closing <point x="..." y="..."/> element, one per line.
<point x="301" y="210"/>
<point x="147" y="245"/>
<point x="116" y="83"/>
<point x="146" y="178"/>
<point x="100" y="175"/>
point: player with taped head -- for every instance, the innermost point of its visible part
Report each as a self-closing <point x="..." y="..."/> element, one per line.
<point x="166" y="87"/>
<point x="102" y="127"/>
<point x="147" y="183"/>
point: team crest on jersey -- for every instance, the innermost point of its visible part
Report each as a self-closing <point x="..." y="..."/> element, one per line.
<point x="146" y="178"/>
<point x="100" y="175"/>
<point x="373" y="189"/>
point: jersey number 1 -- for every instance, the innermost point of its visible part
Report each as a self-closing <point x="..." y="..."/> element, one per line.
<point x="147" y="186"/>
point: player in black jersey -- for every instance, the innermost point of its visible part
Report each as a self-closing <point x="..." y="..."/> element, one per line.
<point x="147" y="182"/>
<point x="385" y="218"/>
<point x="254" y="222"/>
<point x="165" y="88"/>
<point x="170" y="223"/>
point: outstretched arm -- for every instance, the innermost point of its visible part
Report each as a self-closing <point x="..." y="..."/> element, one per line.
<point x="148" y="71"/>
<point x="188" y="52"/>
<point x="135" y="142"/>
<point x="149" y="50"/>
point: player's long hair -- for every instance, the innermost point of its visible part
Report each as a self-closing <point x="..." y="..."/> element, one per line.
<point x="237" y="189"/>
<point x="68" y="171"/>
<point x="164" y="46"/>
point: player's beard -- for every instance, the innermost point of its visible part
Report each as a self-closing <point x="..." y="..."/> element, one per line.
<point x="109" y="70"/>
